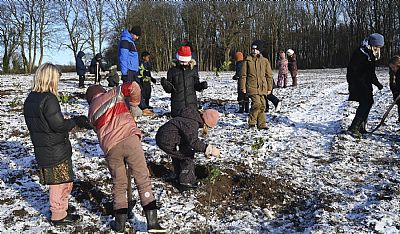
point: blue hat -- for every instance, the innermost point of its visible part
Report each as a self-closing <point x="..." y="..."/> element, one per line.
<point x="376" y="39"/>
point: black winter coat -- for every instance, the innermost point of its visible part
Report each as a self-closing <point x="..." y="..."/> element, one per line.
<point x="395" y="84"/>
<point x="48" y="129"/>
<point x="181" y="131"/>
<point x="80" y="66"/>
<point x="361" y="75"/>
<point x="182" y="83"/>
<point x="93" y="64"/>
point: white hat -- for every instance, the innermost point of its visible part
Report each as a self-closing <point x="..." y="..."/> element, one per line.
<point x="290" y="52"/>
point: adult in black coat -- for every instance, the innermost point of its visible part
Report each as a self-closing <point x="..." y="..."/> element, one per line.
<point x="49" y="134"/>
<point x="80" y="69"/>
<point x="360" y="77"/>
<point x="394" y="80"/>
<point x="183" y="82"/>
<point x="95" y="66"/>
<point x="179" y="139"/>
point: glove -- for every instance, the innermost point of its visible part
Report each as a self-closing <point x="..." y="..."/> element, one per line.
<point x="82" y="122"/>
<point x="204" y="85"/>
<point x="163" y="80"/>
<point x="235" y="77"/>
<point x="212" y="150"/>
<point x="153" y="80"/>
<point x="380" y="86"/>
<point x="136" y="111"/>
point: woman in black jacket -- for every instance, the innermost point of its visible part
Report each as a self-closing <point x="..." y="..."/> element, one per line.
<point x="183" y="81"/>
<point x="360" y="77"/>
<point x="49" y="134"/>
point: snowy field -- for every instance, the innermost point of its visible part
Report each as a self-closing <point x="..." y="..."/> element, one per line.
<point x="303" y="175"/>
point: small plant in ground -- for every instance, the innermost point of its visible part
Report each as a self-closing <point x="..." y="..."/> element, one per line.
<point x="258" y="144"/>
<point x="14" y="103"/>
<point x="214" y="173"/>
<point x="63" y="98"/>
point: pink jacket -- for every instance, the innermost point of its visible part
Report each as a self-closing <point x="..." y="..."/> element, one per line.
<point x="282" y="66"/>
<point x="109" y="114"/>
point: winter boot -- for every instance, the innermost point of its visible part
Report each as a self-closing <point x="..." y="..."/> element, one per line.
<point x="363" y="126"/>
<point x="355" y="126"/>
<point x="120" y="219"/>
<point x="241" y="108"/>
<point x="152" y="222"/>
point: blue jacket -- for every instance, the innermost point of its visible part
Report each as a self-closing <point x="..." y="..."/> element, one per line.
<point x="80" y="66"/>
<point x="128" y="56"/>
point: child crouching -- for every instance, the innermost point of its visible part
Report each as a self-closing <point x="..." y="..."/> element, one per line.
<point x="179" y="139"/>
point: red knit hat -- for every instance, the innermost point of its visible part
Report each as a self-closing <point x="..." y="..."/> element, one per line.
<point x="184" y="54"/>
<point x="93" y="91"/>
<point x="211" y="117"/>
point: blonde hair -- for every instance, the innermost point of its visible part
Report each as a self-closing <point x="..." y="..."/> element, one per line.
<point x="395" y="60"/>
<point x="46" y="79"/>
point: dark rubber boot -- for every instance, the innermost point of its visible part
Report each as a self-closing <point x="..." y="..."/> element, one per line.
<point x="120" y="219"/>
<point x="363" y="126"/>
<point x="355" y="127"/>
<point x="152" y="222"/>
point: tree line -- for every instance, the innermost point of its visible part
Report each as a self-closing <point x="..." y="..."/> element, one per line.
<point x="322" y="33"/>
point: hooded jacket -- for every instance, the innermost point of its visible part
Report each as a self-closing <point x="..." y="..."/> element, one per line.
<point x="128" y="56"/>
<point x="109" y="114"/>
<point x="48" y="129"/>
<point x="256" y="75"/>
<point x="93" y="64"/>
<point x="182" y="82"/>
<point x="182" y="130"/>
<point x="361" y="75"/>
<point x="80" y="66"/>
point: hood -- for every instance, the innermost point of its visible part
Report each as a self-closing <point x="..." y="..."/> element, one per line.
<point x="192" y="113"/>
<point x="81" y="54"/>
<point x="126" y="35"/>
<point x="98" y="56"/>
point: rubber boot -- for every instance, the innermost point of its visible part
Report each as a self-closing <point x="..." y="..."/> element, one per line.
<point x="120" y="219"/>
<point x="152" y="222"/>
<point x="355" y="127"/>
<point x="363" y="126"/>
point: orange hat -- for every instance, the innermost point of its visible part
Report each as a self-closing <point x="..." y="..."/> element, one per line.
<point x="211" y="117"/>
<point x="238" y="56"/>
<point x="93" y="91"/>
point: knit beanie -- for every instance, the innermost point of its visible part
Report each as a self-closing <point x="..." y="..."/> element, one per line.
<point x="93" y="91"/>
<point x="290" y="52"/>
<point x="238" y="56"/>
<point x="184" y="54"/>
<point x="258" y="45"/>
<point x="136" y="30"/>
<point x="211" y="117"/>
<point x="376" y="39"/>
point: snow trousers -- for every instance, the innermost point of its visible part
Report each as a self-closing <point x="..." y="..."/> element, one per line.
<point x="58" y="197"/>
<point x="257" y="111"/>
<point x="282" y="80"/>
<point x="293" y="73"/>
<point x="129" y="151"/>
<point x="146" y="92"/>
<point x="81" y="81"/>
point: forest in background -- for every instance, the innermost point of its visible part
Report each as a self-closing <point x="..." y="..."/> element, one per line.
<point x="322" y="33"/>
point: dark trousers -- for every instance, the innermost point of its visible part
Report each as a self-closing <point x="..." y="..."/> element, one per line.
<point x="243" y="100"/>
<point x="134" y="76"/>
<point x="146" y="92"/>
<point x="81" y="81"/>
<point x="363" y="111"/>
<point x="272" y="98"/>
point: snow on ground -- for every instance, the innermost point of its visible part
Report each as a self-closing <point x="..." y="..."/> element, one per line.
<point x="329" y="182"/>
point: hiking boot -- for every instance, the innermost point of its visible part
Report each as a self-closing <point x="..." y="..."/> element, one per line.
<point x="70" y="219"/>
<point x="263" y="128"/>
<point x="147" y="112"/>
<point x="152" y="222"/>
<point x="355" y="127"/>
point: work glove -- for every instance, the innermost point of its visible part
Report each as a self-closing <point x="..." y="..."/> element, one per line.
<point x="82" y="121"/>
<point x="212" y="150"/>
<point x="380" y="86"/>
<point x="203" y="85"/>
<point x="153" y="80"/>
<point x="136" y="112"/>
<point x="163" y="80"/>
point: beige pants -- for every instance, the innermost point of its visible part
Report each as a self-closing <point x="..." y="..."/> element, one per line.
<point x="130" y="151"/>
<point x="257" y="111"/>
<point x="59" y="200"/>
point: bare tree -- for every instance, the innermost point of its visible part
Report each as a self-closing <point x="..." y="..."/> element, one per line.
<point x="9" y="37"/>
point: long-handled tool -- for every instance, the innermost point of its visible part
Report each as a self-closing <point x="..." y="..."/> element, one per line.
<point x="97" y="73"/>
<point x="386" y="114"/>
<point x="131" y="202"/>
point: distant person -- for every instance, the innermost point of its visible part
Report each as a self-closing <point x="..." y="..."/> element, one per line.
<point x="179" y="139"/>
<point x="360" y="77"/>
<point x="183" y="81"/>
<point x="292" y="66"/>
<point x="282" y="65"/>
<point x="113" y="77"/>
<point x="95" y="66"/>
<point x="48" y="130"/>
<point x="128" y="59"/>
<point x="145" y="77"/>
<point x="119" y="138"/>
<point x="256" y="81"/>
<point x="80" y="69"/>
<point x="394" y="80"/>
<point x="242" y="98"/>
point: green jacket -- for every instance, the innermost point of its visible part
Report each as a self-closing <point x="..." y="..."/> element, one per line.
<point x="256" y="75"/>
